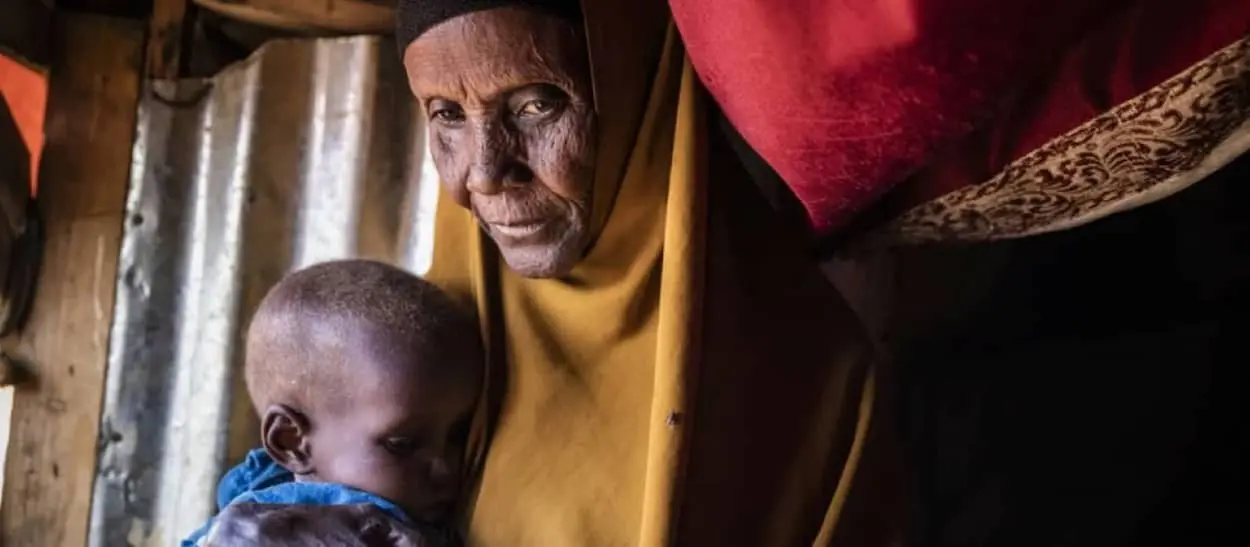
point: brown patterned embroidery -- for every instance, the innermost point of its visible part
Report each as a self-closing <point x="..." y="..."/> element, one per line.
<point x="1142" y="150"/>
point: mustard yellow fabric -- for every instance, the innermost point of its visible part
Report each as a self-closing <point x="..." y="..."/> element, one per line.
<point x="695" y="380"/>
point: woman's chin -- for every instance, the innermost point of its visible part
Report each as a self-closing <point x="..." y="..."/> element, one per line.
<point x="536" y="260"/>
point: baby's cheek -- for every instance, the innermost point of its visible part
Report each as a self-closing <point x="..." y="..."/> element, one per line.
<point x="390" y="486"/>
<point x="394" y="483"/>
<point x="357" y="469"/>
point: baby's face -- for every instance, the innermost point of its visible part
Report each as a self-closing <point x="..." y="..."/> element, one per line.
<point x="399" y="436"/>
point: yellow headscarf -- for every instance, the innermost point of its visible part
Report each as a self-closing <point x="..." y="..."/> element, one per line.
<point x="694" y="380"/>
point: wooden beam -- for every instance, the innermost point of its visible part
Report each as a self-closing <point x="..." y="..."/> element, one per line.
<point x="333" y="16"/>
<point x="93" y="93"/>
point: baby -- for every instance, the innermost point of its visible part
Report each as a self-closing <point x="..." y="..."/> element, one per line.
<point x="365" y="378"/>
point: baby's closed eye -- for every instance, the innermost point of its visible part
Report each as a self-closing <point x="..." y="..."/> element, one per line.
<point x="401" y="446"/>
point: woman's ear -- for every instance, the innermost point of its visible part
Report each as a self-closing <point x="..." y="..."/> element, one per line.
<point x="285" y="433"/>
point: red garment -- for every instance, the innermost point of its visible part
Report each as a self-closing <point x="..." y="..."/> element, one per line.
<point x="848" y="98"/>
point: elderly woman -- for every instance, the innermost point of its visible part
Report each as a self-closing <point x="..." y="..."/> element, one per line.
<point x="1000" y="120"/>
<point x="667" y="366"/>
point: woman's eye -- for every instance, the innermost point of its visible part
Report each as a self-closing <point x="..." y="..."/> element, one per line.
<point x="400" y="446"/>
<point x="537" y="107"/>
<point x="444" y="111"/>
<point x="447" y="115"/>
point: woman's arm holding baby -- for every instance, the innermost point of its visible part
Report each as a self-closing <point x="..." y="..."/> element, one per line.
<point x="262" y="525"/>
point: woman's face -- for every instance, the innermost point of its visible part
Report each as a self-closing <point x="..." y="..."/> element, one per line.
<point x="507" y="93"/>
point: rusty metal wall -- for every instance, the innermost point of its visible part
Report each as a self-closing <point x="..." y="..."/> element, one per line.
<point x="307" y="151"/>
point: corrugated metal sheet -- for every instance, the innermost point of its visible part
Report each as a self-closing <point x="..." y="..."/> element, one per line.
<point x="308" y="151"/>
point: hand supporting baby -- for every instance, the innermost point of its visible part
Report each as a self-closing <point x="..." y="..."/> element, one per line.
<point x="265" y="525"/>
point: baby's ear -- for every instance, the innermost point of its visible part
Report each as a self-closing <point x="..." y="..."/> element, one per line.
<point x="285" y="433"/>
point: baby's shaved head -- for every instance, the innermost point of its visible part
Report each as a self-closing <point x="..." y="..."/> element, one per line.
<point x="306" y="340"/>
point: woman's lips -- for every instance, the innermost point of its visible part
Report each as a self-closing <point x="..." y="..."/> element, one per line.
<point x="518" y="230"/>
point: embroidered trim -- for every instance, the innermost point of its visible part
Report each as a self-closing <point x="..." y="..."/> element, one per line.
<point x="1143" y="150"/>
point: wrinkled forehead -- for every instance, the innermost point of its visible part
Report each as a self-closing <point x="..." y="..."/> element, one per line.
<point x="482" y="54"/>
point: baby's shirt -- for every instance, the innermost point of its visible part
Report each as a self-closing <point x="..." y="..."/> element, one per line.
<point x="259" y="479"/>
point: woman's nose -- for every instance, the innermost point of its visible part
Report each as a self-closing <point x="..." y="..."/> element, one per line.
<point x="490" y="156"/>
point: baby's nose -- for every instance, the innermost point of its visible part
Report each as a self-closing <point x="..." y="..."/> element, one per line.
<point x="440" y="470"/>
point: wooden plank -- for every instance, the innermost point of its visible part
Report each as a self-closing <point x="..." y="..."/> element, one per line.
<point x="93" y="93"/>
